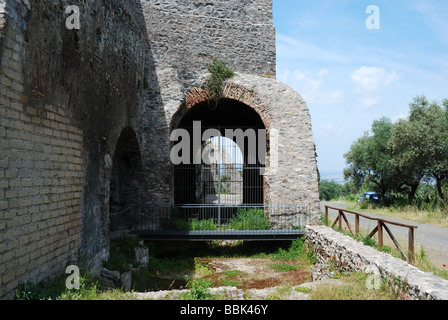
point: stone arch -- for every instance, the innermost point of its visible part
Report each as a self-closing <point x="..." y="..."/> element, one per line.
<point x="242" y="109"/>
<point x="127" y="183"/>
<point x="232" y="91"/>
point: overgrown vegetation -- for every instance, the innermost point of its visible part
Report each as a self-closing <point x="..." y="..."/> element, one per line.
<point x="199" y="289"/>
<point x="244" y="219"/>
<point x="122" y="257"/>
<point x="91" y="288"/>
<point x="192" y="270"/>
<point x="354" y="288"/>
<point x="214" y="84"/>
<point x="249" y="219"/>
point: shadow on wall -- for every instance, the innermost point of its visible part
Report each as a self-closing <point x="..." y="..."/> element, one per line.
<point x="127" y="186"/>
<point x="92" y="81"/>
<point x="120" y="190"/>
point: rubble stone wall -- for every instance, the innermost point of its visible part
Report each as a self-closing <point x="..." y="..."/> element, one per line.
<point x="348" y="255"/>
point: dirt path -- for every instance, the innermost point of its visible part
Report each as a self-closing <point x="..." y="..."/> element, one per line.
<point x="434" y="240"/>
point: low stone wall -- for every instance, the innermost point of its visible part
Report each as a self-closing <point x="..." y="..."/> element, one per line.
<point x="348" y="255"/>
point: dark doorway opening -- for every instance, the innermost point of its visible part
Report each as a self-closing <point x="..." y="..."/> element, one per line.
<point x="127" y="186"/>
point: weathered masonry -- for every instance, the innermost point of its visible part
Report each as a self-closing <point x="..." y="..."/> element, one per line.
<point x="86" y="117"/>
<point x="346" y="254"/>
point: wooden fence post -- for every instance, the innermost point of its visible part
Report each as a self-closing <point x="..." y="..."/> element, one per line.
<point x="380" y="235"/>
<point x="340" y="220"/>
<point x="411" y="245"/>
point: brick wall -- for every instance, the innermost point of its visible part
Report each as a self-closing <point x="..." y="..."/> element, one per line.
<point x="65" y="96"/>
<point x="40" y="193"/>
<point x="41" y="176"/>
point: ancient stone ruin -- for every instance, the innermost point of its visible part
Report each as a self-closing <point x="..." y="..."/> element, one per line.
<point x="86" y="115"/>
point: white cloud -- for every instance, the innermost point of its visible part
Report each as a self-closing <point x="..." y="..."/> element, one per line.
<point x="309" y="85"/>
<point x="370" y="82"/>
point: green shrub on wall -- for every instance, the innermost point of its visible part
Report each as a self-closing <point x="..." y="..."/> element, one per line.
<point x="214" y="84"/>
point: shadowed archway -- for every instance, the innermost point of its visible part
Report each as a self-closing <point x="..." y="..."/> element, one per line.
<point x="127" y="186"/>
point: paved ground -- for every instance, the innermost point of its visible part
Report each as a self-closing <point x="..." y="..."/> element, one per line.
<point x="434" y="240"/>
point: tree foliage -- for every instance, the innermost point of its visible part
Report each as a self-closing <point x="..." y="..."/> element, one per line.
<point x="369" y="158"/>
<point x="399" y="156"/>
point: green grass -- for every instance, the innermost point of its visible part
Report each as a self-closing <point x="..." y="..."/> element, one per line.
<point x="296" y="251"/>
<point x="230" y="282"/>
<point x="282" y="267"/>
<point x="233" y="273"/>
<point x="90" y="289"/>
<point x="354" y="288"/>
<point x="244" y="219"/>
<point x="285" y="257"/>
<point x="252" y="219"/>
<point x="199" y="289"/>
<point x="303" y="289"/>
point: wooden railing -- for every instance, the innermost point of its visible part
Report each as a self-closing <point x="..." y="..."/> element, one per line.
<point x="381" y="224"/>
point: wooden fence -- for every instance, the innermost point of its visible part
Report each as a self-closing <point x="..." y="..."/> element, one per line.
<point x="381" y="225"/>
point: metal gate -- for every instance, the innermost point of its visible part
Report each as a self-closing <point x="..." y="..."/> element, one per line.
<point x="223" y="179"/>
<point x="221" y="198"/>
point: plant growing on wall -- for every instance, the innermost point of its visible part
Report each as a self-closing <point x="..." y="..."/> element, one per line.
<point x="214" y="84"/>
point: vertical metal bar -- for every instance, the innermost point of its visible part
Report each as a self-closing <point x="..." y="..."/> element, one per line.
<point x="219" y="166"/>
<point x="326" y="216"/>
<point x="356" y="225"/>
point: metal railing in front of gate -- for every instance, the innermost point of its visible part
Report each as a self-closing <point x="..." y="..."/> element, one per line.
<point x="249" y="219"/>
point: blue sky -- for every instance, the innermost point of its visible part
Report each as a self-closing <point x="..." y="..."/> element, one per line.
<point x="350" y="75"/>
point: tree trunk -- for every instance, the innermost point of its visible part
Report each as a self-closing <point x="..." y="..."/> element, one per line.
<point x="439" y="187"/>
<point x="412" y="192"/>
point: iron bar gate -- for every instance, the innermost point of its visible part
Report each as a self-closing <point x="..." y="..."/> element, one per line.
<point x="224" y="178"/>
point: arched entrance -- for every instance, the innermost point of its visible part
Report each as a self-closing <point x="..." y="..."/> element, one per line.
<point x="127" y="185"/>
<point x="224" y="169"/>
<point x="209" y="201"/>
